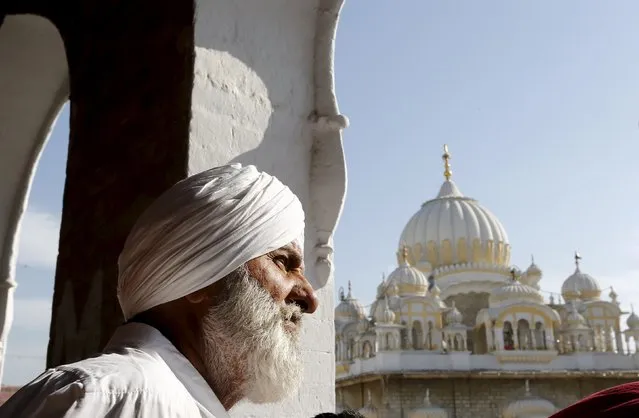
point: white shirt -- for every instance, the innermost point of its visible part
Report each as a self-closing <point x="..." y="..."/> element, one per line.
<point x="140" y="374"/>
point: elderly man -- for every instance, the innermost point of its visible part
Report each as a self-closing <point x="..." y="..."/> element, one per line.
<point x="211" y="283"/>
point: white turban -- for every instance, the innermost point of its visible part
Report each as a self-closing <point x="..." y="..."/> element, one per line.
<point x="202" y="229"/>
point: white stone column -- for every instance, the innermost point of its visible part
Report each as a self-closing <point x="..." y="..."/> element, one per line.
<point x="34" y="85"/>
<point x="263" y="94"/>
<point x="499" y="339"/>
<point x="7" y="288"/>
<point x="608" y="338"/>
<point x="550" y="338"/>
<point x="489" y="339"/>
<point x="619" y="340"/>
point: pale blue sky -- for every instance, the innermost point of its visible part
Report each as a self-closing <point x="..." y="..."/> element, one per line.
<point x="538" y="101"/>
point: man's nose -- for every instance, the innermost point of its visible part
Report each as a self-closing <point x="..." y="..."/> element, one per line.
<point x="303" y="295"/>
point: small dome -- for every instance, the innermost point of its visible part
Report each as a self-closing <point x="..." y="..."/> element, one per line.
<point x="633" y="321"/>
<point x="453" y="316"/>
<point x="369" y="410"/>
<point x="580" y="285"/>
<point x="383" y="314"/>
<point x="533" y="269"/>
<point x="409" y="280"/>
<point x="532" y="275"/>
<point x="386" y="288"/>
<point x="529" y="406"/>
<point x="428" y="410"/>
<point x="514" y="292"/>
<point x="349" y="308"/>
<point x="573" y="318"/>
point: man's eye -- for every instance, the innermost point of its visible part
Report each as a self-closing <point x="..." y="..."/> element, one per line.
<point x="281" y="262"/>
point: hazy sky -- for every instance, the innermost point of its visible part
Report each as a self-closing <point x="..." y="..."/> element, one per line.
<point x="538" y="101"/>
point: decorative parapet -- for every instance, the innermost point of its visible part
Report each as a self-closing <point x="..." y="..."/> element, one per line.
<point x="526" y="356"/>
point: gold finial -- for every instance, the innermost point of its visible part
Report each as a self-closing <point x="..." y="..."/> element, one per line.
<point x="447" y="157"/>
<point x="405" y="254"/>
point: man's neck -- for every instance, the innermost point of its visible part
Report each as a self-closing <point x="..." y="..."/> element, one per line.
<point x="224" y="382"/>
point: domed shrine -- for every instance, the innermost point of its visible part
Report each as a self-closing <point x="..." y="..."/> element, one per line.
<point x="457" y="322"/>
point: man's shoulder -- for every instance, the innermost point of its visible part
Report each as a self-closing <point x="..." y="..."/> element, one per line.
<point x="126" y="371"/>
<point x="128" y="381"/>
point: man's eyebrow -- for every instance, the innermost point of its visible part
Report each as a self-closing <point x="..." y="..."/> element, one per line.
<point x="293" y="253"/>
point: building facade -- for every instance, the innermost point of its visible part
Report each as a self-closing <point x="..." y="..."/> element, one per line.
<point x="456" y="331"/>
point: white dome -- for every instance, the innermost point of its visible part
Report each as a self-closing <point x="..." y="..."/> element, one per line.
<point x="574" y="320"/>
<point x="580" y="285"/>
<point x="454" y="317"/>
<point x="532" y="275"/>
<point x="529" y="406"/>
<point x="533" y="270"/>
<point x="454" y="229"/>
<point x="408" y="279"/>
<point x="633" y="321"/>
<point x="383" y="314"/>
<point x="349" y="308"/>
<point x="514" y="292"/>
<point x="386" y="288"/>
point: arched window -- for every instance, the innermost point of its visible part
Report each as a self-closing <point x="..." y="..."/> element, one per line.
<point x="403" y="335"/>
<point x="458" y="343"/>
<point x="509" y="342"/>
<point x="418" y="335"/>
<point x="524" y="335"/>
<point x="367" y="350"/>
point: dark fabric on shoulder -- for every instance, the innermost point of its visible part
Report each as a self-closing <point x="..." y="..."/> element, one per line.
<point x="616" y="402"/>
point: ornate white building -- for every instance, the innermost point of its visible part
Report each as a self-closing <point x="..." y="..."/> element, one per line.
<point x="456" y="331"/>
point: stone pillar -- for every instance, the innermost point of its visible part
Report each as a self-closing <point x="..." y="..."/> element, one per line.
<point x="499" y="338"/>
<point x="619" y="340"/>
<point x="151" y="103"/>
<point x="608" y="338"/>
<point x="34" y="85"/>
<point x="489" y="339"/>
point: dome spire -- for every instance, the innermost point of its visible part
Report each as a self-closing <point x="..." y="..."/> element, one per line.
<point x="577" y="258"/>
<point x="448" y="173"/>
<point x="350" y="288"/>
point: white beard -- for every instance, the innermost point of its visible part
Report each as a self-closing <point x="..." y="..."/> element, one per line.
<point x="244" y="335"/>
